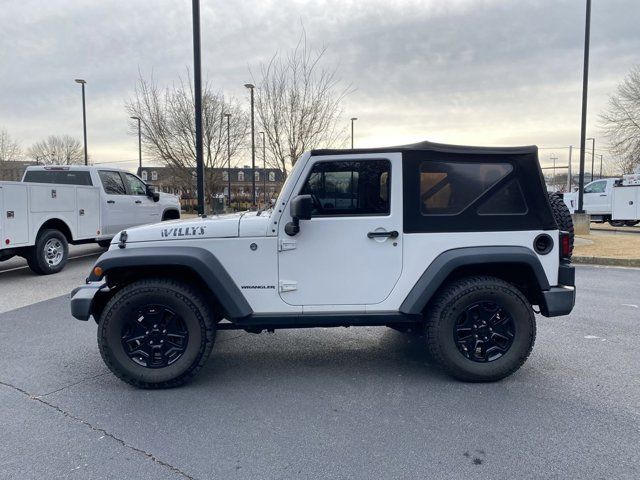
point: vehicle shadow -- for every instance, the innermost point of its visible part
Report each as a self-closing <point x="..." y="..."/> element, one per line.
<point x="363" y="351"/>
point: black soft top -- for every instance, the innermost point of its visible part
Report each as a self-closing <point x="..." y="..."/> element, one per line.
<point x="520" y="195"/>
<point x="433" y="147"/>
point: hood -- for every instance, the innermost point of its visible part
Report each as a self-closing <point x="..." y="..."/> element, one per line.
<point x="243" y="224"/>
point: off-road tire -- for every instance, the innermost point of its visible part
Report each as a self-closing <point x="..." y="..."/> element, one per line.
<point x="187" y="302"/>
<point x="562" y="215"/>
<point x="37" y="256"/>
<point x="451" y="301"/>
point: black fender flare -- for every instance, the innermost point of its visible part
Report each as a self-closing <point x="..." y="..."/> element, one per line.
<point x="199" y="260"/>
<point x="448" y="261"/>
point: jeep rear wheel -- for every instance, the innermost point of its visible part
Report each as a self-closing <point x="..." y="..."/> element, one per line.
<point x="156" y="333"/>
<point x="480" y="329"/>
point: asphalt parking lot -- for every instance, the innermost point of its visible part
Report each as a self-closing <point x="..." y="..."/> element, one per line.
<point x="325" y="403"/>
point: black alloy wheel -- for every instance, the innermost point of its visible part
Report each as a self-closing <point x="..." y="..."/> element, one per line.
<point x="155" y="337"/>
<point x="484" y="332"/>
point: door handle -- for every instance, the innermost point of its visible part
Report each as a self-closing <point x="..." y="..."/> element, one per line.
<point x="111" y="201"/>
<point x="138" y="201"/>
<point x="603" y="194"/>
<point x="391" y="234"/>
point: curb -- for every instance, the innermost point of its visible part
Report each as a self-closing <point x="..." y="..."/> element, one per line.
<point x="631" y="230"/>
<point x="612" y="262"/>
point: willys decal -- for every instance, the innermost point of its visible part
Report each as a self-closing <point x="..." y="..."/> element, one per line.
<point x="196" y="231"/>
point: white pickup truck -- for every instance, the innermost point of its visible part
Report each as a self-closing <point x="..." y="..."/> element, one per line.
<point x="60" y="205"/>
<point x="612" y="200"/>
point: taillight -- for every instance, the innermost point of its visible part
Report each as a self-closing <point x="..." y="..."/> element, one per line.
<point x="565" y="245"/>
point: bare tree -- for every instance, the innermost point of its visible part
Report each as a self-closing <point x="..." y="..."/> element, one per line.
<point x="298" y="104"/>
<point x="621" y="122"/>
<point x="9" y="148"/>
<point x="167" y="119"/>
<point x="57" y="150"/>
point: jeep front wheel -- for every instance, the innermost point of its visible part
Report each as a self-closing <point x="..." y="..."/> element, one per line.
<point x="156" y="333"/>
<point x="480" y="329"/>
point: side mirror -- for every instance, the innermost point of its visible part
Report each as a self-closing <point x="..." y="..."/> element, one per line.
<point x="301" y="208"/>
<point x="151" y="193"/>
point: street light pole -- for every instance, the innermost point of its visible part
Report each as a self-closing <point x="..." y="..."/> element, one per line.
<point x="585" y="85"/>
<point x="228" y="115"/>
<point x="84" y="121"/>
<point x="139" y="142"/>
<point x="197" y="81"/>
<point x="353" y="119"/>
<point x="253" y="148"/>
<point x="593" y="151"/>
<point x="600" y="166"/>
<point x="264" y="170"/>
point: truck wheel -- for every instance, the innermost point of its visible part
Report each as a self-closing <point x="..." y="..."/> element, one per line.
<point x="632" y="223"/>
<point x="104" y="243"/>
<point x="49" y="254"/>
<point x="480" y="329"/>
<point x="617" y="223"/>
<point x="562" y="215"/>
<point x="156" y="333"/>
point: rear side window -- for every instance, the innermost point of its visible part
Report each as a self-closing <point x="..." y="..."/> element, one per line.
<point x="64" y="177"/>
<point x="447" y="188"/>
<point x="112" y="182"/>
<point x="350" y="187"/>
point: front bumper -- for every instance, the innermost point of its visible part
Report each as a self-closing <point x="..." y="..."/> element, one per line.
<point x="82" y="299"/>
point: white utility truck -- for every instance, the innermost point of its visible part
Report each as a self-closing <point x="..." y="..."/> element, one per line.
<point x="57" y="205"/>
<point x="612" y="200"/>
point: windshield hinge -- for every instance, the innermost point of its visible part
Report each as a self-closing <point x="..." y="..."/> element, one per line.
<point x="287" y="244"/>
<point x="288" y="285"/>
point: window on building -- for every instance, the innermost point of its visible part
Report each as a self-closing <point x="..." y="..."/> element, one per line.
<point x="241" y="176"/>
<point x="112" y="182"/>
<point x="226" y="191"/>
<point x="144" y="175"/>
<point x="154" y="176"/>
<point x="350" y="187"/>
<point x="447" y="188"/>
<point x="272" y="176"/>
<point x="225" y="176"/>
<point x="241" y="191"/>
<point x="256" y="174"/>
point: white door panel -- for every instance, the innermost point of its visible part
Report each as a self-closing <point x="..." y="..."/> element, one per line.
<point x="332" y="261"/>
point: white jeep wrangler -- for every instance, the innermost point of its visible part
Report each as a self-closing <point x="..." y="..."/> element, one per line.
<point x="458" y="242"/>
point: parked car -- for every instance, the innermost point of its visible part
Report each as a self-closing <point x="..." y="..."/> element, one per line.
<point x="457" y="242"/>
<point x="56" y="206"/>
<point x="612" y="200"/>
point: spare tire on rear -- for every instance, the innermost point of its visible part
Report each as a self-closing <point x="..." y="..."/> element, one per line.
<point x="562" y="215"/>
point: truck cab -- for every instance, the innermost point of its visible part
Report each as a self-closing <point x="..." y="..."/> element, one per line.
<point x="388" y="237"/>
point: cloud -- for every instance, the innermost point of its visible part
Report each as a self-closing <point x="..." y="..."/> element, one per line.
<point x="483" y="72"/>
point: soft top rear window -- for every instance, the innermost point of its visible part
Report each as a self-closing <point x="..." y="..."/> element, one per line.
<point x="63" y="177"/>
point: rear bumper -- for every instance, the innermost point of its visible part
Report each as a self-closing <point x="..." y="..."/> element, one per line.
<point x="560" y="300"/>
<point x="82" y="299"/>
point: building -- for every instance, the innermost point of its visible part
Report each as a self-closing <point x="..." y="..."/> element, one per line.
<point x="12" y="171"/>
<point x="166" y="179"/>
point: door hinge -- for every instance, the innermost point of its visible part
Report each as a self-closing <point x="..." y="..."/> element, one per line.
<point x="288" y="285"/>
<point x="286" y="244"/>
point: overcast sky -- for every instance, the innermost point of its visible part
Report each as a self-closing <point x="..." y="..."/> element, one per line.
<point x="485" y="72"/>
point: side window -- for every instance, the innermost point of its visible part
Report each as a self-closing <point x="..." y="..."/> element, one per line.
<point x="447" y="188"/>
<point x="135" y="186"/>
<point x="508" y="200"/>
<point x="64" y="177"/>
<point x="350" y="187"/>
<point x="596" y="187"/>
<point x="112" y="182"/>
